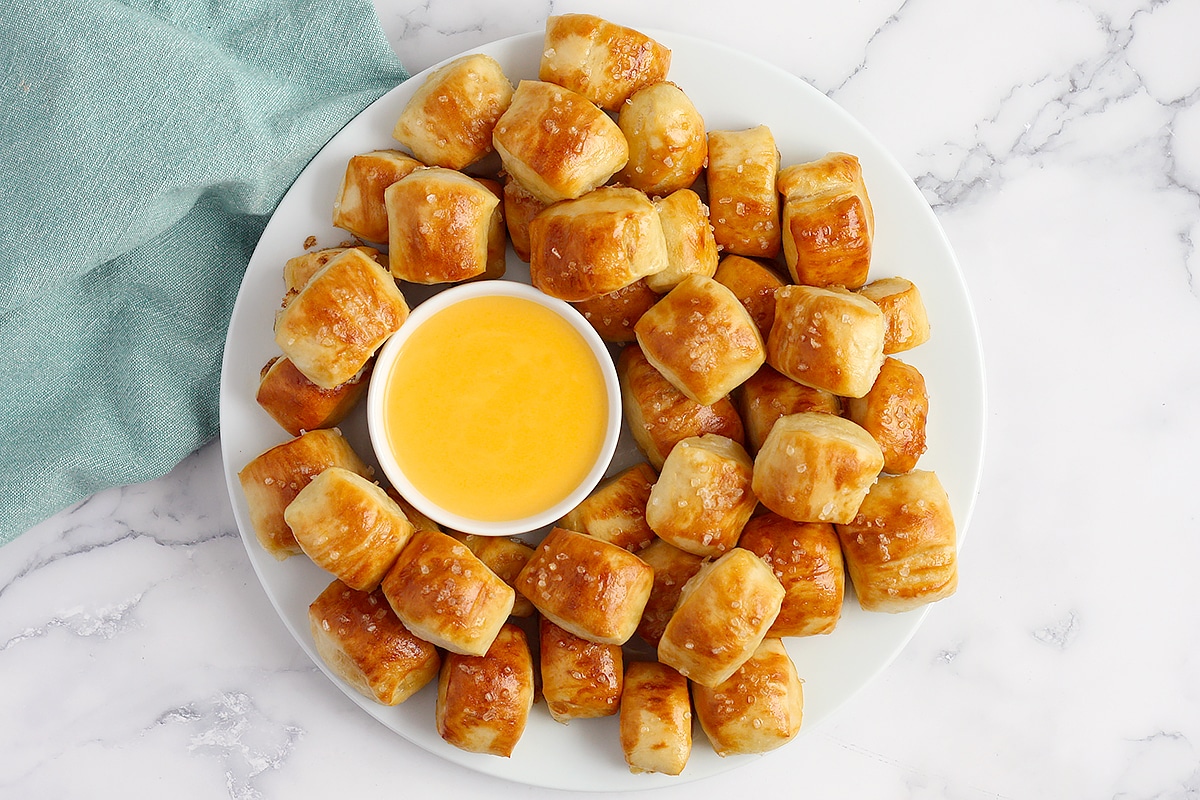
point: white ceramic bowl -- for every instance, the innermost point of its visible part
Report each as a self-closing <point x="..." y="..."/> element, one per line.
<point x="383" y="369"/>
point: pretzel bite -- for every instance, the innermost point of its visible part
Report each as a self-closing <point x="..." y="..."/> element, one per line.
<point x="601" y="60"/>
<point x="298" y="404"/>
<point x="753" y="285"/>
<point x="360" y="639"/>
<point x="483" y="701"/>
<point x="900" y="548"/>
<point x="703" y="497"/>
<point x="506" y="558"/>
<point x="828" y="339"/>
<point x="580" y="679"/>
<point x="497" y="240"/>
<point x="359" y="207"/>
<point x="701" y="339"/>
<point x="894" y="413"/>
<point x="594" y="589"/>
<point x="613" y="315"/>
<point x="816" y="467"/>
<point x="667" y="143"/>
<point x="443" y="593"/>
<point x="615" y="511"/>
<point x="448" y="121"/>
<point x="443" y="227"/>
<point x="340" y="318"/>
<point x="807" y="560"/>
<point x="557" y="143"/>
<point x="656" y="719"/>
<point x="607" y="239"/>
<point x="766" y="396"/>
<point x="758" y="708"/>
<point x="299" y="269"/>
<point x="659" y="415"/>
<point x="419" y="520"/>
<point x="744" y="205"/>
<point x="906" y="324"/>
<point x="723" y="614"/>
<point x="349" y="527"/>
<point x="274" y="477"/>
<point x="691" y="248"/>
<point x="672" y="569"/>
<point x="494" y="186"/>
<point x="828" y="224"/>
<point x="519" y="208"/>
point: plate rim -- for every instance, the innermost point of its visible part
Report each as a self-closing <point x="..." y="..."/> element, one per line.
<point x="966" y="505"/>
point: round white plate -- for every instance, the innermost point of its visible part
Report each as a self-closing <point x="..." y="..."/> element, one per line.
<point x="733" y="91"/>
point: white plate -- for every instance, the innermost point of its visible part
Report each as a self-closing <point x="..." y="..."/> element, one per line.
<point x="732" y="91"/>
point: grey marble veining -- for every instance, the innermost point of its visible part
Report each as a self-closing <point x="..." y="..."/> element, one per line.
<point x="1059" y="145"/>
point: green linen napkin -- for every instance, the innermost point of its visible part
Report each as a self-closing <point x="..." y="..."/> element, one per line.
<point x="143" y="146"/>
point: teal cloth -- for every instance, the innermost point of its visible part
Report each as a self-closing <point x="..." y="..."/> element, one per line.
<point x="143" y="146"/>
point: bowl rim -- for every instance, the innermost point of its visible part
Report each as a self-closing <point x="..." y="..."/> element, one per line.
<point x="380" y="377"/>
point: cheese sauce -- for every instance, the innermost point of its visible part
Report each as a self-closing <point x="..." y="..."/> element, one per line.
<point x="495" y="408"/>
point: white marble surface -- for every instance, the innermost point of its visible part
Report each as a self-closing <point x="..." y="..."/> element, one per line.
<point x="1059" y="144"/>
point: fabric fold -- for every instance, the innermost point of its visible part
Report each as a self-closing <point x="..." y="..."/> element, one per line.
<point x="143" y="146"/>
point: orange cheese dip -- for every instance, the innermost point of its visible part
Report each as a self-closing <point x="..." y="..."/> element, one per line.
<point x="495" y="408"/>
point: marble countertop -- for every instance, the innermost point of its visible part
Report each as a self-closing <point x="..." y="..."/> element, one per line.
<point x="1059" y="146"/>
